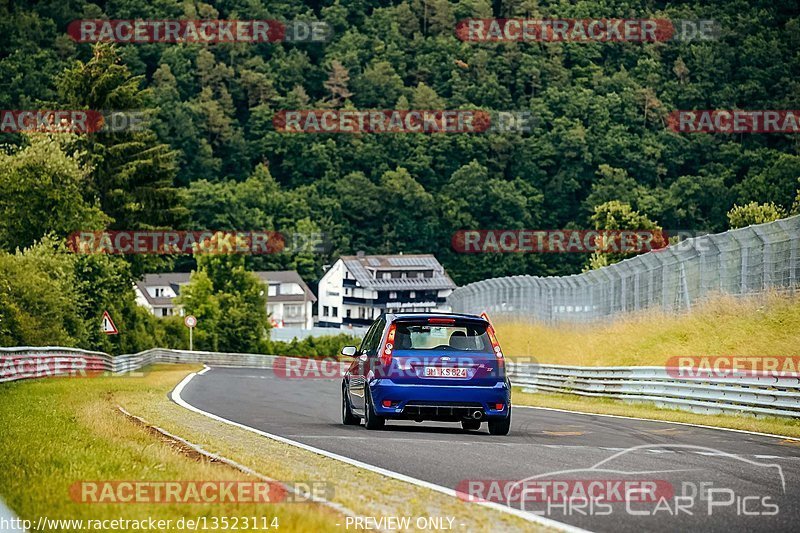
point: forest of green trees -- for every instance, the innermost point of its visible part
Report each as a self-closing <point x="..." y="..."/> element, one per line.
<point x="210" y="157"/>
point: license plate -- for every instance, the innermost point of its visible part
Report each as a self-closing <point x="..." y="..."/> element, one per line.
<point x="444" y="372"/>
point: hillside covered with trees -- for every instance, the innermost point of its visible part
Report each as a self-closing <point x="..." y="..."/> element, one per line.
<point x="211" y="158"/>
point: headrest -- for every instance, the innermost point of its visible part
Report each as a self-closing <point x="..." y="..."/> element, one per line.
<point x="459" y="341"/>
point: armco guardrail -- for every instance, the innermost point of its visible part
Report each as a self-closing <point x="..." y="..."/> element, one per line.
<point x="29" y="362"/>
<point x="748" y="393"/>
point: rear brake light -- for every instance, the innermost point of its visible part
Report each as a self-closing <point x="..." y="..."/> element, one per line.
<point x="386" y="352"/>
<point x="441" y="321"/>
<point x="498" y="406"/>
<point x="498" y="353"/>
<point x="387" y="403"/>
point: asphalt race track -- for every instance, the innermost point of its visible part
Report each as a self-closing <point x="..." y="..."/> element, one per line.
<point x="708" y="480"/>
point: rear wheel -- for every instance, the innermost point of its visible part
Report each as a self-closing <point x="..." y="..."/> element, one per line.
<point x="348" y="418"/>
<point x="500" y="426"/>
<point x="471" y="425"/>
<point x="372" y="420"/>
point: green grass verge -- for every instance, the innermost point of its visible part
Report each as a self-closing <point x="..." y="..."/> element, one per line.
<point x="609" y="406"/>
<point x="59" y="431"/>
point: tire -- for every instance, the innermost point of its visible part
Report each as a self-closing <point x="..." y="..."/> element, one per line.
<point x="372" y="420"/>
<point x="471" y="425"/>
<point x="348" y="418"/>
<point x="500" y="426"/>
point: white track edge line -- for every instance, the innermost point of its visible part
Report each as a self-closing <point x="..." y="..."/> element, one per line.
<point x="786" y="437"/>
<point x="238" y="466"/>
<point x="541" y="520"/>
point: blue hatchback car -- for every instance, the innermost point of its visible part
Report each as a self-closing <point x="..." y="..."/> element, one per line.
<point x="428" y="366"/>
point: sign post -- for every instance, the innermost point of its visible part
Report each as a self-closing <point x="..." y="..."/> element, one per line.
<point x="190" y="321"/>
<point x="108" y="325"/>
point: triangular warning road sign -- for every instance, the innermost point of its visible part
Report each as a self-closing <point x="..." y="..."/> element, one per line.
<point x="108" y="325"/>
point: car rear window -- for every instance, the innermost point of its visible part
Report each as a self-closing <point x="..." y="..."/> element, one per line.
<point x="464" y="336"/>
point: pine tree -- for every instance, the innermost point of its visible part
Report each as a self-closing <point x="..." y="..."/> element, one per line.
<point x="336" y="84"/>
<point x="132" y="172"/>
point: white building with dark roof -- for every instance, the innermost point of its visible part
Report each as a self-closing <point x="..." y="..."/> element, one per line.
<point x="289" y="300"/>
<point x="356" y="289"/>
<point x="156" y="292"/>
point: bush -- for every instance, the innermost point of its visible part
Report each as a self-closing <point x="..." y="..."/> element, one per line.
<point x="327" y="346"/>
<point x="39" y="298"/>
<point x="741" y="216"/>
<point x="51" y="297"/>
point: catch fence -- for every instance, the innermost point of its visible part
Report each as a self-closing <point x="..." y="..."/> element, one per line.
<point x="744" y="261"/>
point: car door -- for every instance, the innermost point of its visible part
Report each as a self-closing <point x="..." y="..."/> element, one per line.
<point x="360" y="367"/>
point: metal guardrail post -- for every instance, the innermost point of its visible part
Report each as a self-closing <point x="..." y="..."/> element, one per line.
<point x="685" y="288"/>
<point x="745" y="252"/>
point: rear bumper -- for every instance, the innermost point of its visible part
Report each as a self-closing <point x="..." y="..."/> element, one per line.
<point x="437" y="402"/>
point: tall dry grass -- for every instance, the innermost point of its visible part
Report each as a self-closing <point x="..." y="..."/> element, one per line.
<point x="722" y="325"/>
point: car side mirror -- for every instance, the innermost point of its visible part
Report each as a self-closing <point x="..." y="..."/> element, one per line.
<point x="349" y="351"/>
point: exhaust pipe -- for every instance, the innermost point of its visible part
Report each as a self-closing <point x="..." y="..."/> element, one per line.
<point x="477" y="415"/>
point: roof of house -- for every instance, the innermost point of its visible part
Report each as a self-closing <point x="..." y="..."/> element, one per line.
<point x="168" y="279"/>
<point x="176" y="279"/>
<point x="286" y="276"/>
<point x="362" y="268"/>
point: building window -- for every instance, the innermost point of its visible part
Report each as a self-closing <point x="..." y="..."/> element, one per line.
<point x="386" y="275"/>
<point x="325" y="310"/>
<point x="293" y="311"/>
<point x="347" y="292"/>
<point x="291" y="288"/>
<point x="347" y="313"/>
<point x="164" y="311"/>
<point x="272" y="290"/>
<point x="335" y="311"/>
